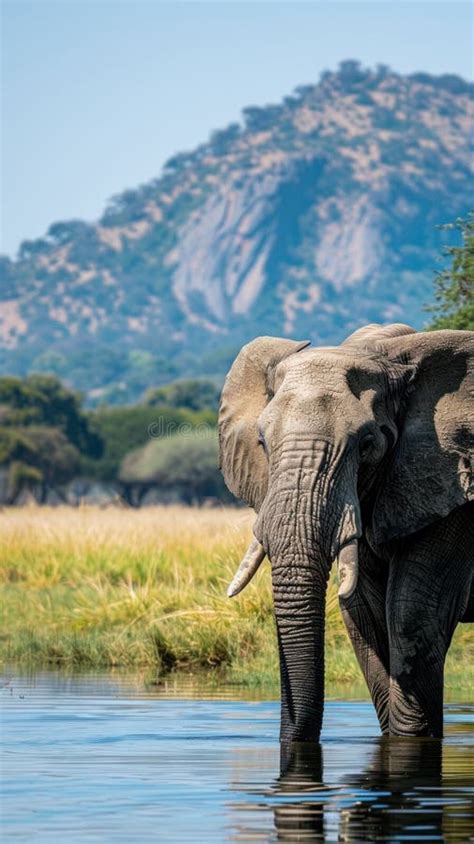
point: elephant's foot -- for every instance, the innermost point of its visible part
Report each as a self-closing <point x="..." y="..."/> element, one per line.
<point x="412" y="715"/>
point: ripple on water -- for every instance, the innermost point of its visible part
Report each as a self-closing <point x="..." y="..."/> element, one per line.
<point x="101" y="758"/>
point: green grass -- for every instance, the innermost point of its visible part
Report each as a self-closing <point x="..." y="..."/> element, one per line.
<point x="145" y="589"/>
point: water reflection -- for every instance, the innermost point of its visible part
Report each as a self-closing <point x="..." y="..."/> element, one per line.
<point x="301" y="771"/>
<point x="101" y="758"/>
<point x="409" y="791"/>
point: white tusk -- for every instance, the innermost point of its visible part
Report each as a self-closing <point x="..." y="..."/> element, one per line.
<point x="348" y="569"/>
<point x="249" y="565"/>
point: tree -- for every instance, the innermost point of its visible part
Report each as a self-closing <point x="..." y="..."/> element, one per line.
<point x="44" y="400"/>
<point x="454" y="286"/>
<point x="38" y="456"/>
<point x="221" y="141"/>
<point x="351" y="71"/>
<point x="61" y="233"/>
<point x="52" y="454"/>
<point x="124" y="429"/>
<point x="193" y="394"/>
<point x="261" y="119"/>
<point x="43" y="432"/>
<point x="186" y="463"/>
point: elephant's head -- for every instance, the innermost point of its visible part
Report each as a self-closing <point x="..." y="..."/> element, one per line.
<point x="320" y="443"/>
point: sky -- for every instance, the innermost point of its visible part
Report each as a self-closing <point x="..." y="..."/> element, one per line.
<point x="96" y="96"/>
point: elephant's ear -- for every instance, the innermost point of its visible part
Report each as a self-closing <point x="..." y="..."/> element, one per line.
<point x="430" y="471"/>
<point x="373" y="335"/>
<point x="247" y="389"/>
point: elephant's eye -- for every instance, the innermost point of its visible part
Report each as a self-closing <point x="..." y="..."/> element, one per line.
<point x="366" y="445"/>
<point x="261" y="441"/>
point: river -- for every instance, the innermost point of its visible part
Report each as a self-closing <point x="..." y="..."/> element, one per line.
<point x="106" y="758"/>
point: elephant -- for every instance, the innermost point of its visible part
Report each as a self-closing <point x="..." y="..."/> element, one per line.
<point x="359" y="453"/>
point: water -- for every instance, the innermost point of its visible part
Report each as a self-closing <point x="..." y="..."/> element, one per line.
<point x="102" y="759"/>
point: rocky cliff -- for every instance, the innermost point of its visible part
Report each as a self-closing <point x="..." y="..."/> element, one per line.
<point x="307" y="219"/>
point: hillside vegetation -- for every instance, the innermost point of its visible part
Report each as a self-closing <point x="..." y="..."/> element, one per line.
<point x="164" y="449"/>
<point x="309" y="218"/>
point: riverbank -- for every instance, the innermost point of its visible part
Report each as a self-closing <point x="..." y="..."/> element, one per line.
<point x="91" y="587"/>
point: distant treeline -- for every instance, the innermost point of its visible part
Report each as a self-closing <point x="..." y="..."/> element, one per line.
<point x="163" y="449"/>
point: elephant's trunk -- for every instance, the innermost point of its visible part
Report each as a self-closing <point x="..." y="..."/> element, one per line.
<point x="299" y="612"/>
<point x="302" y="534"/>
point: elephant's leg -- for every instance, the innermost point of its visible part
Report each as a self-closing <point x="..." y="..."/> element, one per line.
<point x="468" y="614"/>
<point x="428" y="592"/>
<point x="365" y="619"/>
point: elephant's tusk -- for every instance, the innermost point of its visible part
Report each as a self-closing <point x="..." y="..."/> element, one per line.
<point x="249" y="565"/>
<point x="348" y="569"/>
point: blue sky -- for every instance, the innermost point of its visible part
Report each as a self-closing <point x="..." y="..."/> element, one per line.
<point x="97" y="95"/>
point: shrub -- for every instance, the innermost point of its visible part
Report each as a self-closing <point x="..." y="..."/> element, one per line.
<point x="454" y="286"/>
<point x="186" y="462"/>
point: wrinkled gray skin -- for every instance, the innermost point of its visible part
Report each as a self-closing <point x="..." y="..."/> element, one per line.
<point x="360" y="452"/>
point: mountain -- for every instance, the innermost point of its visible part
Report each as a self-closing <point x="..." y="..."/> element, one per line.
<point x="309" y="218"/>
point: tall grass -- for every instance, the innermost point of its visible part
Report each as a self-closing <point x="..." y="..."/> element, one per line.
<point x="146" y="588"/>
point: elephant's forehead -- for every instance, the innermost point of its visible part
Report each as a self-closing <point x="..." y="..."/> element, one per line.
<point x="312" y="388"/>
<point x="317" y="365"/>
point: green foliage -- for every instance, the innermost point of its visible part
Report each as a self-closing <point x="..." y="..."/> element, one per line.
<point x="55" y="458"/>
<point x="110" y="374"/>
<point x="116" y="376"/>
<point x="124" y="429"/>
<point x="43" y="432"/>
<point x="43" y="400"/>
<point x="46" y="439"/>
<point x="13" y="445"/>
<point x="20" y="475"/>
<point x="62" y="233"/>
<point x="259" y="119"/>
<point x="51" y="362"/>
<point x="221" y="141"/>
<point x="454" y="286"/>
<point x="220" y="360"/>
<point x="186" y="462"/>
<point x="193" y="394"/>
<point x="351" y="72"/>
<point x="36" y="455"/>
<point x="9" y="278"/>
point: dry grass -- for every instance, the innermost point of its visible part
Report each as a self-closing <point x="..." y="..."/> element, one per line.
<point x="119" y="587"/>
